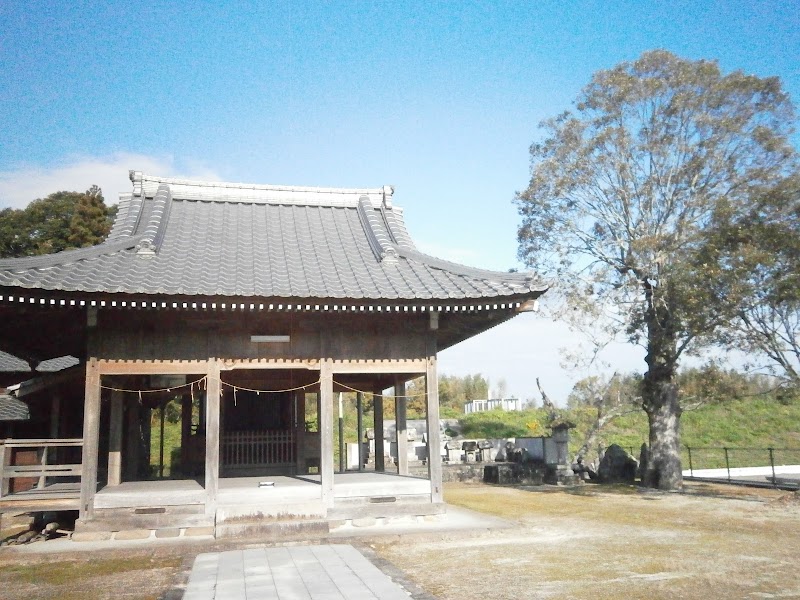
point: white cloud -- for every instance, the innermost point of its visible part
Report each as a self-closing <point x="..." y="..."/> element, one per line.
<point x="20" y="186"/>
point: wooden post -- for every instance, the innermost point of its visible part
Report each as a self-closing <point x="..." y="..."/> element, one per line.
<point x="115" y="440"/>
<point x="213" y="389"/>
<point x="377" y="407"/>
<point x="91" y="440"/>
<point x="134" y="442"/>
<point x="186" y="430"/>
<point x="55" y="414"/>
<point x="401" y="427"/>
<point x="161" y="440"/>
<point x="326" y="431"/>
<point x="300" y="437"/>
<point x="360" y="428"/>
<point x="5" y="458"/>
<point x="342" y="447"/>
<point x="432" y="413"/>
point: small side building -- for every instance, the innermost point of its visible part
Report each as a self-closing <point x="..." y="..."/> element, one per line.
<point x="474" y="406"/>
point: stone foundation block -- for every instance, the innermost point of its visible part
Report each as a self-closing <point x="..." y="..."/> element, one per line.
<point x="168" y="532"/>
<point x="132" y="534"/>
<point x="198" y="531"/>
<point x="91" y="536"/>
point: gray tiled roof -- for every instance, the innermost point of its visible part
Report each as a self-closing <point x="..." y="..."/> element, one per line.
<point x="13" y="409"/>
<point x="11" y="364"/>
<point x="177" y="237"/>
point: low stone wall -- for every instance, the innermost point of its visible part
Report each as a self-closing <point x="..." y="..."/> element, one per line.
<point x="492" y="472"/>
<point x="506" y="473"/>
<point x="457" y="472"/>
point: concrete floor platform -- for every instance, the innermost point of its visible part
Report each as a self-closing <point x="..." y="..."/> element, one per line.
<point x="330" y="572"/>
<point x="246" y="490"/>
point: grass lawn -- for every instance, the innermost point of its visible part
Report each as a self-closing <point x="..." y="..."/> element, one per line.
<point x="139" y="575"/>
<point x="608" y="543"/>
<point x="588" y="542"/>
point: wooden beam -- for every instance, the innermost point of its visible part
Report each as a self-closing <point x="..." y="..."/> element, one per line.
<point x="377" y="412"/>
<point x="388" y="366"/>
<point x="115" y="440"/>
<point x="269" y="363"/>
<point x="91" y="440"/>
<point x="326" y="432"/>
<point x="401" y="427"/>
<point x="213" y="389"/>
<point x="152" y="367"/>
<point x="432" y="413"/>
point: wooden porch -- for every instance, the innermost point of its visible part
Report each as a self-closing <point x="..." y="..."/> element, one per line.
<point x="40" y="475"/>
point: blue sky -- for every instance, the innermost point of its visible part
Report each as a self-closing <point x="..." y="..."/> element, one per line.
<point x="440" y="99"/>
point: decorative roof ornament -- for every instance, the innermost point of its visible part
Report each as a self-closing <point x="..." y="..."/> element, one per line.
<point x="388" y="191"/>
<point x="136" y="178"/>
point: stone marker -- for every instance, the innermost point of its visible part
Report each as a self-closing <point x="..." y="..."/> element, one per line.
<point x="617" y="466"/>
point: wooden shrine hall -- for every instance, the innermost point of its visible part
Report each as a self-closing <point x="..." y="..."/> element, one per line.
<point x="244" y="310"/>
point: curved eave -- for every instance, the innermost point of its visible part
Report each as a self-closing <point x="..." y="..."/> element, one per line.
<point x="68" y="256"/>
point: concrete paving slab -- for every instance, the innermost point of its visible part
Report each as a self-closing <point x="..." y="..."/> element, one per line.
<point x="334" y="572"/>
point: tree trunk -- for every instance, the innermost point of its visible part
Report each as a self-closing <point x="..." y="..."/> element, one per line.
<point x="660" y="402"/>
<point x="664" y="465"/>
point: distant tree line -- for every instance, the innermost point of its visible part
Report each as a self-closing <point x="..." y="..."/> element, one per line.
<point x="61" y="221"/>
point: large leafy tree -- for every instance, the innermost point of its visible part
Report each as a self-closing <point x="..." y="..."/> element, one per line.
<point x="61" y="221"/>
<point x="758" y="279"/>
<point x="622" y="193"/>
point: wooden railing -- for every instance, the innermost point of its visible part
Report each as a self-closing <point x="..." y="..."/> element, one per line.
<point x="45" y="464"/>
<point x="257" y="448"/>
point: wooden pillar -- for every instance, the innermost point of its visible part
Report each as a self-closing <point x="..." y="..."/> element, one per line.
<point x="55" y="415"/>
<point x="326" y="431"/>
<point x="213" y="390"/>
<point x="432" y="413"/>
<point x="360" y="428"/>
<point x="115" y="440"/>
<point x="401" y="427"/>
<point x="300" y="431"/>
<point x="5" y="459"/>
<point x="377" y="408"/>
<point x="186" y="430"/>
<point x="134" y="440"/>
<point x="55" y="428"/>
<point x="91" y="439"/>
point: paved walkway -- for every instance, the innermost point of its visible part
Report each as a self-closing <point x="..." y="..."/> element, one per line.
<point x="334" y="572"/>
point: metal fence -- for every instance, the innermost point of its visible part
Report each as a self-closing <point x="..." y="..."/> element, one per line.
<point x="767" y="466"/>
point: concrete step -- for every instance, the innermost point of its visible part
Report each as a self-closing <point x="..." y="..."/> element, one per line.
<point x="267" y="530"/>
<point x="302" y="510"/>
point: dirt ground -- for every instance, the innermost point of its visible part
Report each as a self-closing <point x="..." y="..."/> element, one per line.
<point x="596" y="543"/>
<point x="589" y="542"/>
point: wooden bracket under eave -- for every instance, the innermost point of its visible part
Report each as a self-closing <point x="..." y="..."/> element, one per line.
<point x="529" y="306"/>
